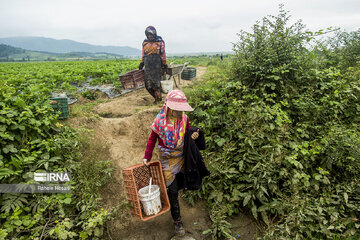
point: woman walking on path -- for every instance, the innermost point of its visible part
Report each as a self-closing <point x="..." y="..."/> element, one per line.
<point x="169" y="128"/>
<point x="153" y="58"/>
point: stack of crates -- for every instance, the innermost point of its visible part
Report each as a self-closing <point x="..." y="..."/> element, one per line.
<point x="137" y="177"/>
<point x="188" y="73"/>
<point x="60" y="105"/>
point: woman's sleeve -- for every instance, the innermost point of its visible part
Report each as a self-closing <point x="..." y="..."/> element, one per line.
<point x="142" y="55"/>
<point x="162" y="52"/>
<point x="150" y="145"/>
<point x="187" y="125"/>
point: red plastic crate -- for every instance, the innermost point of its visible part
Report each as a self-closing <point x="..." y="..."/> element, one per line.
<point x="137" y="177"/>
<point x="132" y="79"/>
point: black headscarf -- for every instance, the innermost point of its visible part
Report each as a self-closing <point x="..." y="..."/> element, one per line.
<point x="152" y="30"/>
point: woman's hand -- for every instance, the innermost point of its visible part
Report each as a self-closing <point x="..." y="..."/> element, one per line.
<point x="146" y="162"/>
<point x="195" y="135"/>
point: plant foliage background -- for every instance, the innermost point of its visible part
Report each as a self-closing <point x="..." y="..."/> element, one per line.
<point x="282" y="125"/>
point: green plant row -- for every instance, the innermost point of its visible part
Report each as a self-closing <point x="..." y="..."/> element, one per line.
<point x="64" y="75"/>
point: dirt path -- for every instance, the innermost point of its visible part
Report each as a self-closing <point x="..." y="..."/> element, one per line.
<point x="123" y="129"/>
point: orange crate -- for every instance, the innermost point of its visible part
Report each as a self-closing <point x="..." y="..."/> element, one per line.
<point x="132" y="79"/>
<point x="137" y="177"/>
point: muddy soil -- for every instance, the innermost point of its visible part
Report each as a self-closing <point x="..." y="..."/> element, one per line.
<point x="123" y="128"/>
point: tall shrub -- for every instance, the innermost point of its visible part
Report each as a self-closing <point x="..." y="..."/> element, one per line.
<point x="271" y="57"/>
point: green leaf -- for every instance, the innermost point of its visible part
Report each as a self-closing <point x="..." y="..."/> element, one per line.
<point x="97" y="232"/>
<point x="264" y="190"/>
<point x="6" y="172"/>
<point x="265" y="218"/>
<point x="10" y="148"/>
<point x="220" y="142"/>
<point x="246" y="199"/>
<point x="206" y="232"/>
<point x="219" y="197"/>
<point x="346" y="197"/>
<point x="254" y="211"/>
<point x="18" y="222"/>
<point x="317" y="176"/>
<point x="263" y="208"/>
<point x="26" y="222"/>
<point x="235" y="195"/>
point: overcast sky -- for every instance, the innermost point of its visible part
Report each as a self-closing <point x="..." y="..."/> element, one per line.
<point x="186" y="25"/>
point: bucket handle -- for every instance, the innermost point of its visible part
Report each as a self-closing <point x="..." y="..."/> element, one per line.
<point x="150" y="185"/>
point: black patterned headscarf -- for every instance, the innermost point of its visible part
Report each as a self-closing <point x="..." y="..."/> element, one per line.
<point x="152" y="30"/>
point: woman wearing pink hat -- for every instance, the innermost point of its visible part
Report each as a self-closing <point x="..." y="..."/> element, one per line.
<point x="169" y="128"/>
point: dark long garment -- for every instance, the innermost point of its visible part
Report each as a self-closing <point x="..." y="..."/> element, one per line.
<point x="173" y="194"/>
<point x="194" y="166"/>
<point x="152" y="73"/>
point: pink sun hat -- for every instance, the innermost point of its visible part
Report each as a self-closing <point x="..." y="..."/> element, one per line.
<point x="176" y="100"/>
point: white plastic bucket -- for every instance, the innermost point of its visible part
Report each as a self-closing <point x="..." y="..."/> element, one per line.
<point x="151" y="202"/>
<point x="166" y="86"/>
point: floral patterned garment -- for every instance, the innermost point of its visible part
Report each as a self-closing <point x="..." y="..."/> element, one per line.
<point x="152" y="47"/>
<point x="171" y="131"/>
<point x="172" y="162"/>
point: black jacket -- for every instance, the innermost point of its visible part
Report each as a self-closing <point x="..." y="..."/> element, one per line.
<point x="194" y="166"/>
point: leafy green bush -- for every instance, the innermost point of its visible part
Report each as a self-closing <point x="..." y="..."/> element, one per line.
<point x="283" y="137"/>
<point x="272" y="56"/>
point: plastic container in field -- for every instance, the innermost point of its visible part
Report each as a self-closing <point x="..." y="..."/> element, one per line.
<point x="60" y="104"/>
<point x="188" y="73"/>
<point x="166" y="86"/>
<point x="150" y="201"/>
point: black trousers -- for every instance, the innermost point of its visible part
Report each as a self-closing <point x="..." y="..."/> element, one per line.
<point x="173" y="194"/>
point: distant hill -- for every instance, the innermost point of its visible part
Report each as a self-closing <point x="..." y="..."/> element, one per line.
<point x="13" y="54"/>
<point x="6" y="50"/>
<point x="65" y="46"/>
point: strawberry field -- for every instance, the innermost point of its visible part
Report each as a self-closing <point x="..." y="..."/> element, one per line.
<point x="52" y="76"/>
